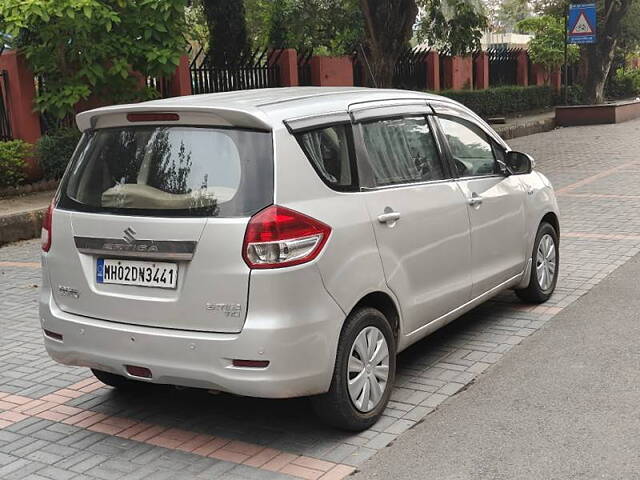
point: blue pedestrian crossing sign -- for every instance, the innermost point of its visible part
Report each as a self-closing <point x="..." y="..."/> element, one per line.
<point x="581" y="23"/>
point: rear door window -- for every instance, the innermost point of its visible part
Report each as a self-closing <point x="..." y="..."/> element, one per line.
<point x="171" y="171"/>
<point x="402" y="150"/>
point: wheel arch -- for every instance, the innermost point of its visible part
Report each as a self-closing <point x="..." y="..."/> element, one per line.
<point x="386" y="304"/>
<point x="552" y="219"/>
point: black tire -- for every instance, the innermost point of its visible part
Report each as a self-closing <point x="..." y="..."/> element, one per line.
<point x="116" y="381"/>
<point x="534" y="293"/>
<point x="336" y="407"/>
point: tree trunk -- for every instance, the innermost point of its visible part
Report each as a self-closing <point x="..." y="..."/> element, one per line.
<point x="600" y="55"/>
<point x="227" y="30"/>
<point x="599" y="65"/>
<point x="583" y="67"/>
<point x="388" y="29"/>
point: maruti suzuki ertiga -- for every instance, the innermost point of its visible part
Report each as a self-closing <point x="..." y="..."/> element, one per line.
<point x="285" y="242"/>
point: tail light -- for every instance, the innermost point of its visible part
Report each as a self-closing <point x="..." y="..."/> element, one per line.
<point x="277" y="237"/>
<point x="153" y="117"/>
<point x="45" y="235"/>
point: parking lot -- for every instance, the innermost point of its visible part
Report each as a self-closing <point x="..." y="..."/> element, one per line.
<point x="58" y="422"/>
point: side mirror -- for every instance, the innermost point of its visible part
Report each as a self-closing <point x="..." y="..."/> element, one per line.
<point x="519" y="163"/>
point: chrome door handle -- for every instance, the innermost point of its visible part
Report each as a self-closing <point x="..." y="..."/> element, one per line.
<point x="389" y="217"/>
<point x="475" y="200"/>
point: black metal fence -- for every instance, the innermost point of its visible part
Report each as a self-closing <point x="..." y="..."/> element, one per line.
<point x="161" y="84"/>
<point x="5" y="124"/>
<point x="253" y="69"/>
<point x="304" y="67"/>
<point x="442" y="59"/>
<point x="49" y="122"/>
<point x="572" y="75"/>
<point x="503" y="66"/>
<point x="410" y="71"/>
<point x="358" y="69"/>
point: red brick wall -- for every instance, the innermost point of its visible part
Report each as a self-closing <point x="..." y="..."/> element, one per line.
<point x="288" y="63"/>
<point x="331" y="71"/>
<point x="25" y="123"/>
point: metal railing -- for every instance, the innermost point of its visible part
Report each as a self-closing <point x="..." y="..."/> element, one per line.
<point x="572" y="74"/>
<point x="48" y="122"/>
<point x="161" y="84"/>
<point x="503" y="66"/>
<point x="443" y="77"/>
<point x="304" y="67"/>
<point x="410" y="71"/>
<point x="253" y="69"/>
<point x="5" y="124"/>
<point x="5" y="121"/>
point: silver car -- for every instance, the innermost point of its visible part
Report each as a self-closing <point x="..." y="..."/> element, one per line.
<point x="285" y="242"/>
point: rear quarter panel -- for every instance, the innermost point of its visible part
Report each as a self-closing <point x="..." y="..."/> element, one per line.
<point x="350" y="264"/>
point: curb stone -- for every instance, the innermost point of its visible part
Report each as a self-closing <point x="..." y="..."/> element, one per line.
<point x="21" y="226"/>
<point x="528" y="128"/>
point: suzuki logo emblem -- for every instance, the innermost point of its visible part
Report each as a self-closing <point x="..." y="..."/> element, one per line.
<point x="129" y="235"/>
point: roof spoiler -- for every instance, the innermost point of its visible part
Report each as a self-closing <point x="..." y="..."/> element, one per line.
<point x="194" y="115"/>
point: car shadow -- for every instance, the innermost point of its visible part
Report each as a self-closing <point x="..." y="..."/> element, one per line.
<point x="287" y="424"/>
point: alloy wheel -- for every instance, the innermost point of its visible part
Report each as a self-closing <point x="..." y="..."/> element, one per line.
<point x="546" y="262"/>
<point x="368" y="369"/>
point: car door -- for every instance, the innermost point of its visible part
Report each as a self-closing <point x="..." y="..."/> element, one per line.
<point x="419" y="218"/>
<point x="495" y="203"/>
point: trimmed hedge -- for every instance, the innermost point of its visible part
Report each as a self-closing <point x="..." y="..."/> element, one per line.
<point x="13" y="156"/>
<point x="503" y="100"/>
<point x="54" y="151"/>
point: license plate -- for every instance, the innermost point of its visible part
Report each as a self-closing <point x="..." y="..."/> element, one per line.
<point x="131" y="272"/>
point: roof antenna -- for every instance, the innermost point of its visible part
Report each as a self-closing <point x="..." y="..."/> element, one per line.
<point x="366" y="61"/>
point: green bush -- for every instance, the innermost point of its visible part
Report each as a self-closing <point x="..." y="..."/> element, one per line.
<point x="54" y="151"/>
<point x="624" y="83"/>
<point x="575" y="95"/>
<point x="12" y="162"/>
<point x="503" y="100"/>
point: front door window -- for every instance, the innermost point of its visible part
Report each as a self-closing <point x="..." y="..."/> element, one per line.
<point x="471" y="149"/>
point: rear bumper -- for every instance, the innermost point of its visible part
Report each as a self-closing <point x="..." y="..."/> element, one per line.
<point x="301" y="353"/>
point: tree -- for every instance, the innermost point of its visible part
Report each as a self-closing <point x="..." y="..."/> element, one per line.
<point x="388" y="28"/>
<point x="227" y="30"/>
<point x="258" y="19"/>
<point x="599" y="56"/>
<point x="629" y="40"/>
<point x="197" y="30"/>
<point x="492" y="8"/>
<point x="453" y="26"/>
<point x="511" y="12"/>
<point x="90" y="47"/>
<point x="613" y="19"/>
<point x="546" y="48"/>
<point x="331" y="27"/>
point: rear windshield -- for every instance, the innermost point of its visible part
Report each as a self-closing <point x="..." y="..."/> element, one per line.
<point x="171" y="171"/>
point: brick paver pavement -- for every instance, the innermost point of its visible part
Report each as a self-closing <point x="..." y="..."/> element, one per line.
<point x="56" y="422"/>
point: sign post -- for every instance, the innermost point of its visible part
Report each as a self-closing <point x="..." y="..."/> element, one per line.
<point x="580" y="28"/>
<point x="566" y="47"/>
<point x="581" y="23"/>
